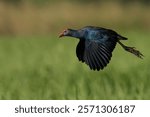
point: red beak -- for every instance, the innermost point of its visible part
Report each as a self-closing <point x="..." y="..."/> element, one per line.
<point x="61" y="35"/>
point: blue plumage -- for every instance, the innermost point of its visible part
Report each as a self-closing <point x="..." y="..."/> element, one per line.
<point x="96" y="45"/>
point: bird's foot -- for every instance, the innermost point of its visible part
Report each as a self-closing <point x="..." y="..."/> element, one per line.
<point x="134" y="51"/>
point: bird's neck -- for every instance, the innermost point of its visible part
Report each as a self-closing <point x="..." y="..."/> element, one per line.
<point x="75" y="33"/>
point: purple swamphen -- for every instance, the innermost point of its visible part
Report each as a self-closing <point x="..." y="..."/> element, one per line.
<point x="96" y="45"/>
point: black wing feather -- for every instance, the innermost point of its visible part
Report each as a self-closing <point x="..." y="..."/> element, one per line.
<point x="95" y="54"/>
<point x="80" y="50"/>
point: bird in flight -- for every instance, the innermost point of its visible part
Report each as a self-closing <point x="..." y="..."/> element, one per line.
<point x="96" y="45"/>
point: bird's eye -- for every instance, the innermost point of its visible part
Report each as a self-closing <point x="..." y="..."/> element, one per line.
<point x="65" y="31"/>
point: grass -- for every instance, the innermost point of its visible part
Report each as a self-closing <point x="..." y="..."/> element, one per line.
<point x="47" y="68"/>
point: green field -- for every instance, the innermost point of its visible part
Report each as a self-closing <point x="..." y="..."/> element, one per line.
<point x="45" y="67"/>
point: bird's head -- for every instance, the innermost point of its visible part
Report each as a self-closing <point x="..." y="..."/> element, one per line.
<point x="65" y="32"/>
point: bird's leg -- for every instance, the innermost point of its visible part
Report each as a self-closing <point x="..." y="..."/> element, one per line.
<point x="131" y="50"/>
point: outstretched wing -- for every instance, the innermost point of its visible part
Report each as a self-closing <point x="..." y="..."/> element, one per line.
<point x="94" y="53"/>
<point x="80" y="50"/>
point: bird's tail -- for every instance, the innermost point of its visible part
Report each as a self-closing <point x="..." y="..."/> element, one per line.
<point x="132" y="50"/>
<point x="121" y="37"/>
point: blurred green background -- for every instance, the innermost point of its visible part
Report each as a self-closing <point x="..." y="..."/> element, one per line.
<point x="35" y="64"/>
